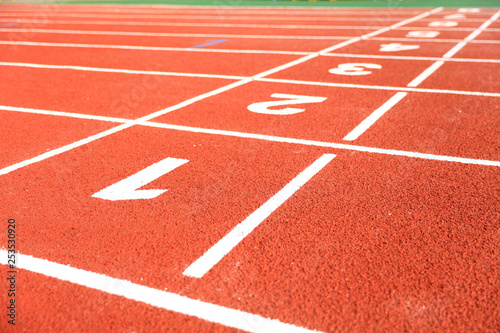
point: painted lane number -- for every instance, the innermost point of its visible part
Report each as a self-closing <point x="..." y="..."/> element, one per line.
<point x="354" y="69"/>
<point x="128" y="188"/>
<point x="264" y="107"/>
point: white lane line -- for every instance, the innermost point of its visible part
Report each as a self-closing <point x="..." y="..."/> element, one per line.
<point x="195" y="24"/>
<point x="185" y="103"/>
<point x="158" y="298"/>
<point x="425" y="74"/>
<point x="63" y="114"/>
<point x="390" y="152"/>
<point x="370" y="120"/>
<point x="423" y="40"/>
<point x="215" y="254"/>
<point x="388" y="88"/>
<point x="165" y="34"/>
<point x="148" y="48"/>
<point x="223" y="17"/>
<point x="376" y="56"/>
<point x="120" y="71"/>
<point x="323" y="144"/>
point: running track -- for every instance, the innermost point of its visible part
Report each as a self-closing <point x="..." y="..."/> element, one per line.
<point x="265" y="170"/>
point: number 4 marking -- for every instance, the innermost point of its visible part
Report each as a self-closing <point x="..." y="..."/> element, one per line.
<point x="128" y="188"/>
<point x="395" y="47"/>
<point x="263" y="107"/>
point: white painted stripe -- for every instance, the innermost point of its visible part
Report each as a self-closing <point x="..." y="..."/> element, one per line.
<point x="157" y="298"/>
<point x="211" y="10"/>
<point x="389" y="152"/>
<point x="120" y="71"/>
<point x="167" y="34"/>
<point x="372" y="118"/>
<point x="389" y="88"/>
<point x="195" y="24"/>
<point x="215" y="254"/>
<point x="148" y="48"/>
<point x="131" y="16"/>
<point x="265" y="137"/>
<point x="433" y="40"/>
<point x="63" y="114"/>
<point x="425" y="74"/>
<point x="376" y="56"/>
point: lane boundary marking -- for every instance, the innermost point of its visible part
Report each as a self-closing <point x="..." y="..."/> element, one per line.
<point x="158" y="298"/>
<point x="148" y="48"/>
<point x="264" y="137"/>
<point x="220" y="249"/>
<point x="225" y="35"/>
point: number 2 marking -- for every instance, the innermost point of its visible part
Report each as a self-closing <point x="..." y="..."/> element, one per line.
<point x="354" y="69"/>
<point x="128" y="188"/>
<point x="263" y="107"/>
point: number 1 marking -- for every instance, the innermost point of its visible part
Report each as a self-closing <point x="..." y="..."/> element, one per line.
<point x="263" y="107"/>
<point x="128" y="188"/>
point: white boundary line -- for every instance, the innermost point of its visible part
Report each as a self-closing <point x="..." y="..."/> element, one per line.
<point x="224" y="35"/>
<point x="194" y="24"/>
<point x="149" y="48"/>
<point x="312" y="143"/>
<point x="372" y="118"/>
<point x="215" y="254"/>
<point x="388" y="88"/>
<point x="157" y="298"/>
<point x="79" y="143"/>
<point x="375" y="56"/>
<point x="167" y="34"/>
<point x="231" y="77"/>
<point x="120" y="71"/>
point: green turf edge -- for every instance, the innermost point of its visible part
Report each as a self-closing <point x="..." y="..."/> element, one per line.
<point x="284" y="3"/>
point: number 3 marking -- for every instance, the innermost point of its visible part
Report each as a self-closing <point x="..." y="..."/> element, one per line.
<point x="354" y="69"/>
<point x="263" y="107"/>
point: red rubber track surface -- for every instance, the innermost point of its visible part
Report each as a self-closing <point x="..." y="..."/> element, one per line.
<point x="399" y="232"/>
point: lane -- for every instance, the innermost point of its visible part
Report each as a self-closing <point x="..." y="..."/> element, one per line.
<point x="117" y="95"/>
<point x="170" y="61"/>
<point x="146" y="26"/>
<point x="166" y="40"/>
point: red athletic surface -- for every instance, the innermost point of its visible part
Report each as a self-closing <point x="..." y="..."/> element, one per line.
<point x="372" y="242"/>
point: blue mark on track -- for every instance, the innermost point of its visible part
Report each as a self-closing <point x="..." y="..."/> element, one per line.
<point x="8" y="24"/>
<point x="213" y="42"/>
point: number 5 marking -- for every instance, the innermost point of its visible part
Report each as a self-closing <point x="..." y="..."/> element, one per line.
<point x="354" y="69"/>
<point x="128" y="188"/>
<point x="263" y="107"/>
